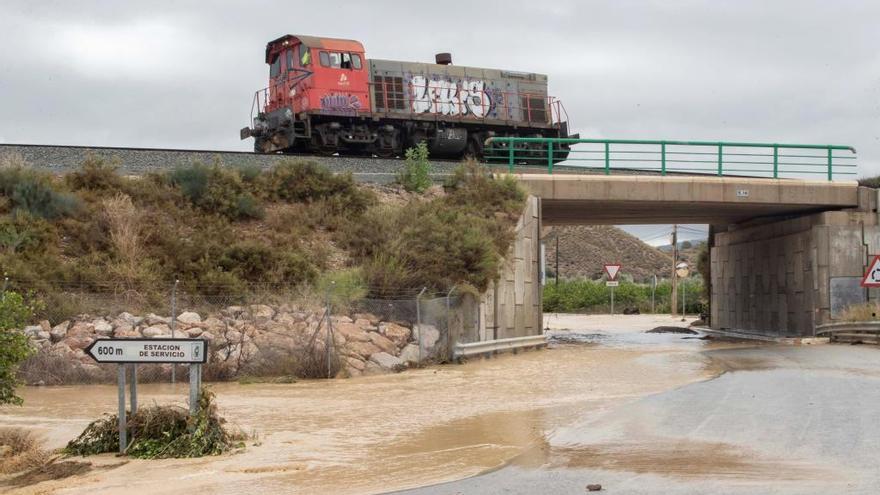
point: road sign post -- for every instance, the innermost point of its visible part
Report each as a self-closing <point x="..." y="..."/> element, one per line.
<point x="682" y="270"/>
<point x="611" y="272"/>
<point x="128" y="353"/>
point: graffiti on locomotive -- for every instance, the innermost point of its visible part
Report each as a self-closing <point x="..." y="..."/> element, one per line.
<point x="445" y="97"/>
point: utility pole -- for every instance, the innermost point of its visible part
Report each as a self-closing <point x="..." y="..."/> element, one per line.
<point x="674" y="299"/>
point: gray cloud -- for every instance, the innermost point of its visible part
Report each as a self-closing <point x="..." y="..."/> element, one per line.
<point x="183" y="73"/>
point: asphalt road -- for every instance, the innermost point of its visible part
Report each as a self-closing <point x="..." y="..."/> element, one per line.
<point x="779" y="420"/>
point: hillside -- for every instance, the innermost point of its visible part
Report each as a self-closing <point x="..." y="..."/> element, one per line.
<point x="585" y="249"/>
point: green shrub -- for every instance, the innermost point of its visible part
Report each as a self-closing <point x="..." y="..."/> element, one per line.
<point x="34" y="193"/>
<point x="216" y="190"/>
<point x="416" y="173"/>
<point x="95" y="174"/>
<point x="295" y="181"/>
<point x="343" y="287"/>
<point x="593" y="296"/>
<point x="14" y="346"/>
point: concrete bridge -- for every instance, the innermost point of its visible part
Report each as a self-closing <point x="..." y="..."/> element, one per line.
<point x="787" y="255"/>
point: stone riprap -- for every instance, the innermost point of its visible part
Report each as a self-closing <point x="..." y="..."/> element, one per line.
<point x="244" y="338"/>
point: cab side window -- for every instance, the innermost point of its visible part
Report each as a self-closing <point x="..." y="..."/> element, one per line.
<point x="325" y="59"/>
<point x="275" y="67"/>
<point x="346" y="61"/>
<point x="305" y="56"/>
<point x="356" y="61"/>
<point x="289" y="58"/>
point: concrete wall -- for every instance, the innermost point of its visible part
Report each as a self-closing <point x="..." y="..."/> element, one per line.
<point x="776" y="279"/>
<point x="511" y="307"/>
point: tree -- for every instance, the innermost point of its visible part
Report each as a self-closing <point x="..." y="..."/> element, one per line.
<point x="14" y="346"/>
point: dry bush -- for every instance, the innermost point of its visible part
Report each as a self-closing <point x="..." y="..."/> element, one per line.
<point x="20" y="451"/>
<point x="861" y="312"/>
<point x="46" y="368"/>
<point x="12" y="160"/>
<point x="125" y="223"/>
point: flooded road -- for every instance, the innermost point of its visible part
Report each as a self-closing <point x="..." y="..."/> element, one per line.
<point x="780" y="419"/>
<point x="376" y="434"/>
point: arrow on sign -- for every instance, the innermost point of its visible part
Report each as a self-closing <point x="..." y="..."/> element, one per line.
<point x="192" y="351"/>
<point x="612" y="271"/>
<point x="872" y="276"/>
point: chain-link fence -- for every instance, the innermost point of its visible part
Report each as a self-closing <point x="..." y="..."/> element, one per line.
<point x="269" y="330"/>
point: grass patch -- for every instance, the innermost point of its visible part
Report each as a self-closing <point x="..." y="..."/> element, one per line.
<point x="161" y="432"/>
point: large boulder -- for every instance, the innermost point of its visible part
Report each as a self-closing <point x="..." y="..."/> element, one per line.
<point x="261" y="312"/>
<point x="369" y="317"/>
<point x="156" y="331"/>
<point x="189" y="318"/>
<point x="396" y="333"/>
<point x="363" y="349"/>
<point x="383" y="343"/>
<point x="126" y="331"/>
<point x="59" y="331"/>
<point x="103" y="328"/>
<point x="153" y="319"/>
<point x="80" y="335"/>
<point x="410" y="354"/>
<point x="130" y="318"/>
<point x="341" y="319"/>
<point x="387" y="361"/>
<point x="365" y="324"/>
<point x="353" y="362"/>
<point x="427" y="335"/>
<point x="33" y="330"/>
<point x="351" y="332"/>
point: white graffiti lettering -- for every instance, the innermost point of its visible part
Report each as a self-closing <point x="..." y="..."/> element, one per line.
<point x="448" y="98"/>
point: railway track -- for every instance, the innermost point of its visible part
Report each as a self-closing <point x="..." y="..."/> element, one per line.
<point x="137" y="161"/>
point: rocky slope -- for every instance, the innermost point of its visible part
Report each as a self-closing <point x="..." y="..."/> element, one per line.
<point x="243" y="341"/>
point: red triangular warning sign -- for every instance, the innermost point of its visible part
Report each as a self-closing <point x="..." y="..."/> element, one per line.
<point x="612" y="271"/>
<point x="872" y="276"/>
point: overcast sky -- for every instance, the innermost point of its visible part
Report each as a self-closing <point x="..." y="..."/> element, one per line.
<point x="182" y="74"/>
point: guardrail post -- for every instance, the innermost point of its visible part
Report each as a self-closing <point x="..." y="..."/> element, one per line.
<point x="775" y="161"/>
<point x="607" y="158"/>
<point x="510" y="155"/>
<point x="830" y="170"/>
<point x="550" y="156"/>
<point x="662" y="158"/>
<point x="720" y="154"/>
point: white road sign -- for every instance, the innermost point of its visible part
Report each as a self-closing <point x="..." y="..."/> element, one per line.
<point x="612" y="271"/>
<point x="611" y="283"/>
<point x="872" y="276"/>
<point x="148" y="350"/>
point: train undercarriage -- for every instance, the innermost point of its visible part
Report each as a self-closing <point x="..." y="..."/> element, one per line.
<point x="281" y="132"/>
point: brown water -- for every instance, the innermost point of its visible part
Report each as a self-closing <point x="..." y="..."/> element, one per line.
<point x="374" y="434"/>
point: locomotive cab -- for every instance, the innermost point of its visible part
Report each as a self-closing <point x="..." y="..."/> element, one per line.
<point x="312" y="82"/>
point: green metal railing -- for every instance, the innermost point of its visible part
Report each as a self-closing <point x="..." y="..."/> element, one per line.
<point x="771" y="160"/>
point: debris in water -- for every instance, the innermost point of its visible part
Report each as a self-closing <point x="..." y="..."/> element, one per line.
<point x="673" y="330"/>
<point x="594" y="487"/>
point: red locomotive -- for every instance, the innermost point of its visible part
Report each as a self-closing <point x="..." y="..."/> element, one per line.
<point x="326" y="97"/>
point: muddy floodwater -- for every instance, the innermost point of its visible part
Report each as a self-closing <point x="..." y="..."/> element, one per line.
<point x="393" y="432"/>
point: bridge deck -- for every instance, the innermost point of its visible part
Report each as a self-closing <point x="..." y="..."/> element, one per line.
<point x="601" y="199"/>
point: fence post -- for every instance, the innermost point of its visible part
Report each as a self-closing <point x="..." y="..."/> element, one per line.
<point x="419" y="321"/>
<point x="123" y="441"/>
<point x="662" y="158"/>
<point x="550" y="157"/>
<point x="775" y="161"/>
<point x="449" y="321"/>
<point x="830" y="170"/>
<point x="329" y="340"/>
<point x="510" y="155"/>
<point x="607" y="158"/>
<point x="174" y="325"/>
<point x="720" y="159"/>
<point x="133" y="388"/>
